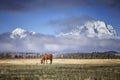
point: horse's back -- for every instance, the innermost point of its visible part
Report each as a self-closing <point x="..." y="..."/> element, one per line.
<point x="48" y="56"/>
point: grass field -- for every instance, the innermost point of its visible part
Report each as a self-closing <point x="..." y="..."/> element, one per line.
<point x="61" y="69"/>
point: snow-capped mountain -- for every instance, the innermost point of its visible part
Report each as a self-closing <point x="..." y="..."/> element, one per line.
<point x="92" y="36"/>
<point x="23" y="40"/>
<point x="20" y="33"/>
<point x="98" y="29"/>
<point x="91" y="29"/>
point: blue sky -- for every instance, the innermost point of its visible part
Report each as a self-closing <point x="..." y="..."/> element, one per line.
<point x="35" y="15"/>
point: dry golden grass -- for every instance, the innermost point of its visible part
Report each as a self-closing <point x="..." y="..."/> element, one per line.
<point x="60" y="61"/>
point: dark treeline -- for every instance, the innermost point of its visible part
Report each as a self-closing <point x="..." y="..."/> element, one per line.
<point x="94" y="55"/>
<point x="13" y="55"/>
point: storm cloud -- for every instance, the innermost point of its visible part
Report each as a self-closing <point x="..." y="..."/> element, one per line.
<point x="31" y="5"/>
<point x="68" y="23"/>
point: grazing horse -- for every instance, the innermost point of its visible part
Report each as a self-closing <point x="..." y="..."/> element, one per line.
<point x="45" y="57"/>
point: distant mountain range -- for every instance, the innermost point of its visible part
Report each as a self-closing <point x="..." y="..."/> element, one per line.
<point x="95" y="36"/>
<point x="21" y="33"/>
<point x="92" y="28"/>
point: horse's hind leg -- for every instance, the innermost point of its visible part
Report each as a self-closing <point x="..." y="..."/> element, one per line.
<point x="50" y="61"/>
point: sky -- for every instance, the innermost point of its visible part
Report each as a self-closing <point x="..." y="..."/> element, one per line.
<point x="36" y="15"/>
<point x="51" y="17"/>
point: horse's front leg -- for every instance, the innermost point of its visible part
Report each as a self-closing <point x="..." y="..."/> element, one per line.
<point x="43" y="61"/>
<point x="46" y="61"/>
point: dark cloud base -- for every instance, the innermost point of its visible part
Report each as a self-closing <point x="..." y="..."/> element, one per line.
<point x="45" y="43"/>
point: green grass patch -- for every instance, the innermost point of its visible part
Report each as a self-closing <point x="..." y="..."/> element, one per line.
<point x="60" y="72"/>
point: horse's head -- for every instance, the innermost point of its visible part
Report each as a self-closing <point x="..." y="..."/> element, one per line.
<point x="41" y="61"/>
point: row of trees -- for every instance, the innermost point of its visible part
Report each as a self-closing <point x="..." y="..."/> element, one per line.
<point x="13" y="55"/>
<point x="94" y="55"/>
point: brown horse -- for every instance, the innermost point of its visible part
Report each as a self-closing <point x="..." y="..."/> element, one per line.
<point x="45" y="57"/>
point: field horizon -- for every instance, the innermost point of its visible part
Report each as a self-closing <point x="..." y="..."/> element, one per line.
<point x="59" y="61"/>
